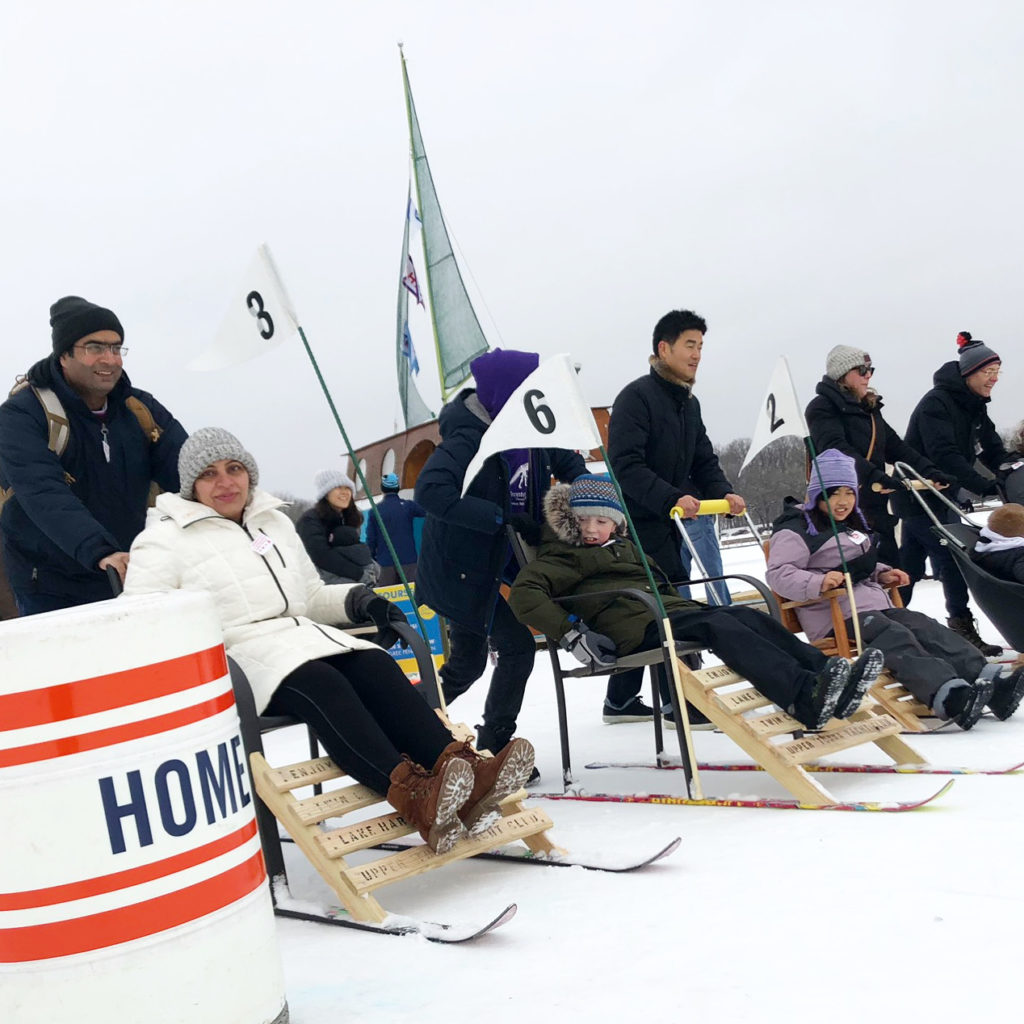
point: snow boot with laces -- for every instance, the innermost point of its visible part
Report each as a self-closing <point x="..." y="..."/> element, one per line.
<point x="966" y="628"/>
<point x="431" y="801"/>
<point x="494" y="779"/>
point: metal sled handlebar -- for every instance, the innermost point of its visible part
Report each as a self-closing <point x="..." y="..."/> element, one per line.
<point x="907" y="474"/>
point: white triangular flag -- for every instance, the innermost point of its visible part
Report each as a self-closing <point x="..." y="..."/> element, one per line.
<point x="546" y="411"/>
<point x="780" y="414"/>
<point x="258" y="320"/>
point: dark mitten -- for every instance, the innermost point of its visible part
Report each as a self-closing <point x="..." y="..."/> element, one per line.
<point x="385" y="615"/>
<point x="357" y="603"/>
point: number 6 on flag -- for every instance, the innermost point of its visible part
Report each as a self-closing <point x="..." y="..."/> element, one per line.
<point x="546" y="411"/>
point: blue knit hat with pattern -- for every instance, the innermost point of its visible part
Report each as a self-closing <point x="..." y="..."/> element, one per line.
<point x="593" y="494"/>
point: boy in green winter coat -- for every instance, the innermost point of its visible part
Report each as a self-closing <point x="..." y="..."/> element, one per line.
<point x="584" y="550"/>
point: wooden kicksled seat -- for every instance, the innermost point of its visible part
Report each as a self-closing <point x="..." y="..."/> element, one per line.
<point x="355" y="884"/>
<point x="776" y="740"/>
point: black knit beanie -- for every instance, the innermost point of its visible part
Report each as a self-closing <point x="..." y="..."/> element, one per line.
<point x="973" y="354"/>
<point x="73" y="318"/>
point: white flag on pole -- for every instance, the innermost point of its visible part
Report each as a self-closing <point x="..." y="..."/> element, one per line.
<point x="780" y="415"/>
<point x="259" y="319"/>
<point x="546" y="411"/>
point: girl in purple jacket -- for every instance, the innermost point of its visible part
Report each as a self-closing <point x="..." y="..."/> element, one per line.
<point x="937" y="666"/>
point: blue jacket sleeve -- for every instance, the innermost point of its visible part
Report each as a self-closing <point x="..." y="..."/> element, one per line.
<point x="439" y="486"/>
<point x="35" y="473"/>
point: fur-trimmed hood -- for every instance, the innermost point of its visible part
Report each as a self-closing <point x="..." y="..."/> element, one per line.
<point x="564" y="524"/>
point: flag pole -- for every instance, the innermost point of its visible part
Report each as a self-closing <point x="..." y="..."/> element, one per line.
<point x="690" y="772"/>
<point x="854" y="616"/>
<point x="366" y="490"/>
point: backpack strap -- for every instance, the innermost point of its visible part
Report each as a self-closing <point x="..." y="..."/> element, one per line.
<point x="141" y="412"/>
<point x="58" y="429"/>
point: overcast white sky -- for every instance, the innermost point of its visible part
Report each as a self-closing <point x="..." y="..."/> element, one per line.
<point x="802" y="174"/>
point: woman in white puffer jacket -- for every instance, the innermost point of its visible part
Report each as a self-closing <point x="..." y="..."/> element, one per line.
<point x="222" y="534"/>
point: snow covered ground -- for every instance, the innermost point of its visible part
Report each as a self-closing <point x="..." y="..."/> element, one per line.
<point x="761" y="915"/>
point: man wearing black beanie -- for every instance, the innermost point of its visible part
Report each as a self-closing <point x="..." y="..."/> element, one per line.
<point x="79" y="449"/>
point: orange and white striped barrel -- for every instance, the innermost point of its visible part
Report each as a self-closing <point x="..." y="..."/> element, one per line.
<point x="132" y="885"/>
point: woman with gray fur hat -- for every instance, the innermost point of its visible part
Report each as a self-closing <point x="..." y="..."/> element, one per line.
<point x="224" y="535"/>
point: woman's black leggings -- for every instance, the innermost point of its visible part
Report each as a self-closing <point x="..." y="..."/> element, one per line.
<point x="365" y="712"/>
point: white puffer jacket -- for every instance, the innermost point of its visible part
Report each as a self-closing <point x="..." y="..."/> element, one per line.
<point x="271" y="605"/>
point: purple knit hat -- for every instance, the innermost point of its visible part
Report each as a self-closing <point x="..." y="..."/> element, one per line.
<point x="499" y="373"/>
<point x="836" y="470"/>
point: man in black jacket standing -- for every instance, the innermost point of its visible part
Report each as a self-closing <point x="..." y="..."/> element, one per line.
<point x="662" y="457"/>
<point x="75" y="498"/>
<point x="951" y="427"/>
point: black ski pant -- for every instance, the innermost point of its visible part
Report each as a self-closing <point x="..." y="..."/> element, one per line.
<point x="515" y="648"/>
<point x="919" y="543"/>
<point x="753" y="644"/>
<point x="365" y="713"/>
<point x="920" y="652"/>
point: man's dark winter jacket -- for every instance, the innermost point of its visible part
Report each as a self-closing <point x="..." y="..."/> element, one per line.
<point x="333" y="546"/>
<point x="465" y="548"/>
<point x="55" y="534"/>
<point x="399" y="516"/>
<point x="659" y="451"/>
<point x="836" y="419"/>
<point x="951" y="427"/>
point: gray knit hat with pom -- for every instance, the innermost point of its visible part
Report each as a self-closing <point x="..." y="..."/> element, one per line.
<point x="206" y="446"/>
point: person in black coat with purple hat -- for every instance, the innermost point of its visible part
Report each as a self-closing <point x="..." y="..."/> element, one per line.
<point x="465" y="554"/>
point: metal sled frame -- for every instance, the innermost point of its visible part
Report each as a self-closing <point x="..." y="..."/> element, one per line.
<point x="1001" y="600"/>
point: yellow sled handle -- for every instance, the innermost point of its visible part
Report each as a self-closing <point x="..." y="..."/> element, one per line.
<point x="712" y="507"/>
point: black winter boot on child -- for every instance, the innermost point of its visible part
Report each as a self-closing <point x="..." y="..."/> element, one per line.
<point x="863" y="672"/>
<point x="1008" y="690"/>
<point x="816" y="703"/>
<point x="964" y="702"/>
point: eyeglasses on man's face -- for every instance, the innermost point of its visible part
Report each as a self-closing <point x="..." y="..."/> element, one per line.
<point x="992" y="374"/>
<point x="95" y="349"/>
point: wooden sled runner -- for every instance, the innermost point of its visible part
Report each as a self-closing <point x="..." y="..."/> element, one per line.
<point x="776" y="740"/>
<point x="328" y="850"/>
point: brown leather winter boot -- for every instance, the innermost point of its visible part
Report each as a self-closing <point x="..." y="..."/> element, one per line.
<point x="430" y="801"/>
<point x="494" y="779"/>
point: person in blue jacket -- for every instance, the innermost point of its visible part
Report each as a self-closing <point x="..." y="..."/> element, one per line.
<point x="465" y="555"/>
<point x="75" y="500"/>
<point x="399" y="517"/>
